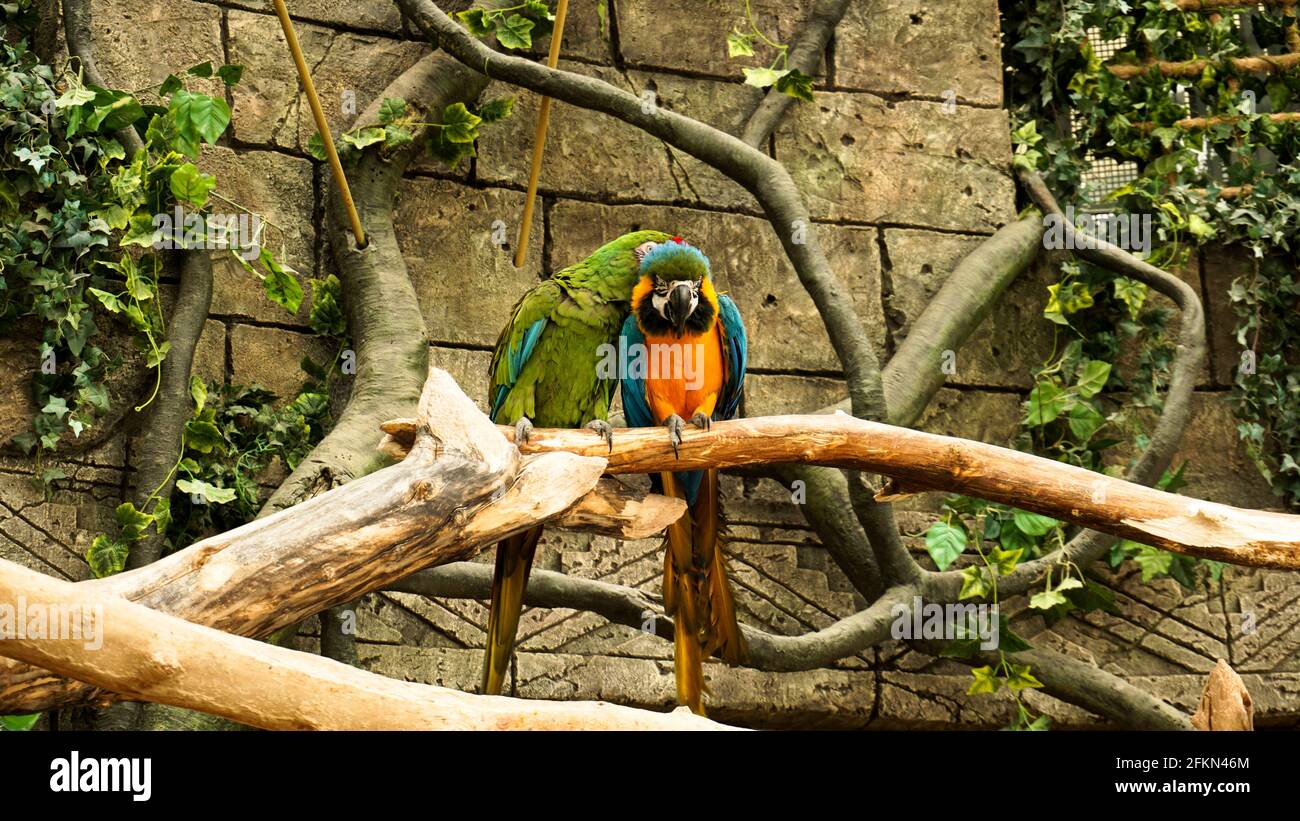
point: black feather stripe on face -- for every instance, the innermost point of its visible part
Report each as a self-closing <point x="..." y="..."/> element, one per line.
<point x="656" y="324"/>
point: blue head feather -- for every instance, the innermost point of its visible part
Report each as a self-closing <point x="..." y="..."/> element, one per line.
<point x="674" y="260"/>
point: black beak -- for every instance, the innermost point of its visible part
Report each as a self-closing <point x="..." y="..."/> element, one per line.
<point x="679" y="306"/>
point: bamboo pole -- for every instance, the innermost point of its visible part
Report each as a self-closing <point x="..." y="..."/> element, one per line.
<point x="322" y="125"/>
<point x="539" y="138"/>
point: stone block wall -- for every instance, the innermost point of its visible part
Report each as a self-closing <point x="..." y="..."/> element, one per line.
<point x="904" y="161"/>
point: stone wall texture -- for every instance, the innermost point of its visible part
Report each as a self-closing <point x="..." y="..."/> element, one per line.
<point x="901" y="184"/>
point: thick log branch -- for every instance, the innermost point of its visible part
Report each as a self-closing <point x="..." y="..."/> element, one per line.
<point x="146" y="655"/>
<point x="942" y="463"/>
<point x="462" y="488"/>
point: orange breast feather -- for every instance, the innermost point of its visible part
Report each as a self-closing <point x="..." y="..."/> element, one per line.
<point x="684" y="374"/>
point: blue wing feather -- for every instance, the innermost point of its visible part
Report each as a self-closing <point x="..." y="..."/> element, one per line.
<point x="515" y="359"/>
<point x="636" y="410"/>
<point x="735" y="350"/>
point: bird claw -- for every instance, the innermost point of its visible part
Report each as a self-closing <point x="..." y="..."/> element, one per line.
<point x="702" y="421"/>
<point x="604" y="431"/>
<point x="523" y="430"/>
<point x="675" y="427"/>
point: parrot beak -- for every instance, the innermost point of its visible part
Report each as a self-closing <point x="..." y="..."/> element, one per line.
<point x="679" y="306"/>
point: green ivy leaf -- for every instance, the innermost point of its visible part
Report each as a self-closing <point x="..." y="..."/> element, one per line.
<point x="740" y="44"/>
<point x="20" y="723"/>
<point x="974" y="584"/>
<point x="199" y="393"/>
<point x="944" y="542"/>
<point x="459" y="124"/>
<point x="132" y="521"/>
<point x="1021" y="679"/>
<point x="198" y="116"/>
<point x="392" y="108"/>
<point x="203" y="69"/>
<point x="203" y="436"/>
<point x="1033" y="524"/>
<point x="496" y="110"/>
<point x="191" y="186"/>
<point x="477" y="21"/>
<point x="214" y="495"/>
<point x="1093" y="379"/>
<point x="762" y="77"/>
<point x="106" y="556"/>
<point x="1047" y="599"/>
<point x="316" y="147"/>
<point x="986" y="681"/>
<point x="1084" y="421"/>
<point x="364" y="137"/>
<point x="231" y="74"/>
<point x="796" y="84"/>
<point x="281" y="283"/>
<point x="1046" y="402"/>
<point x="513" y="32"/>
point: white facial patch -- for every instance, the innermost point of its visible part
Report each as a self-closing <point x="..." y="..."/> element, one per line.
<point x="659" y="299"/>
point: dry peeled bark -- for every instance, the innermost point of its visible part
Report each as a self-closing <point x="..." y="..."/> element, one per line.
<point x="462" y="488"/>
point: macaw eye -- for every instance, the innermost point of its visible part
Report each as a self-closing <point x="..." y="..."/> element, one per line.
<point x="660" y="286"/>
<point x="643" y="249"/>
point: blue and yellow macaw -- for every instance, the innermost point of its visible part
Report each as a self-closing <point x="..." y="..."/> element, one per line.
<point x="546" y="369"/>
<point x="685" y="359"/>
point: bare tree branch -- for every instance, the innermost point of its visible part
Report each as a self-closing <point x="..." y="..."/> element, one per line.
<point x="1088" y="546"/>
<point x="164" y="423"/>
<point x="636" y="608"/>
<point x="805" y="55"/>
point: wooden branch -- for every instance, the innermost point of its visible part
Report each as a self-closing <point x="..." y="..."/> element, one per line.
<point x="1195" y="123"/>
<point x="462" y="488"/>
<point x="1263" y="64"/>
<point x="1212" y="5"/>
<point x="942" y="463"/>
<point x="1225" y="702"/>
<point x="146" y="655"/>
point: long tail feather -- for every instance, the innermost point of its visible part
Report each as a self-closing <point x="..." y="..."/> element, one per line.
<point x="514" y="561"/>
<point x="722" y="635"/>
<point x="682" y="602"/>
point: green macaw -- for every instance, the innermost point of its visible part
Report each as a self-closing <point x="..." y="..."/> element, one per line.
<point x="546" y="370"/>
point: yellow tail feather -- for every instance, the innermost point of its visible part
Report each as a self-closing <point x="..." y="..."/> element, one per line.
<point x="697" y="593"/>
<point x="514" y="561"/>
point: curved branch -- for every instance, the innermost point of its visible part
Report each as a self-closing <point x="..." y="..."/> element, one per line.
<point x="76" y="30"/>
<point x="1088" y="546"/>
<point x="805" y="55"/>
<point x="156" y="457"/>
<point x="1103" y="693"/>
<point x="928" y="461"/>
<point x="637" y="608"/>
<point x="384" y="316"/>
